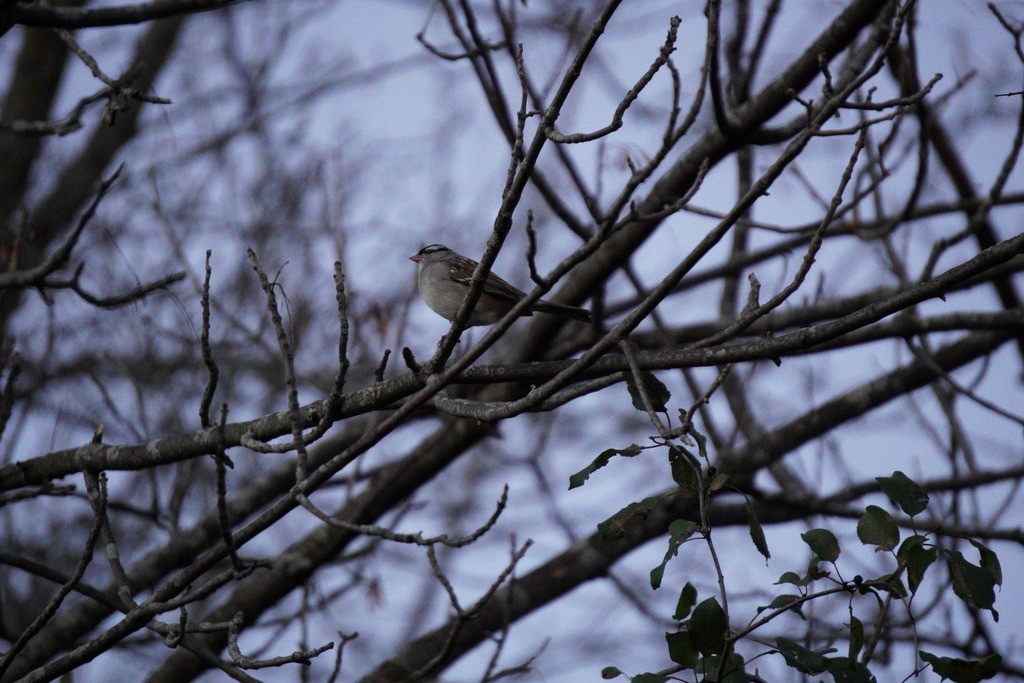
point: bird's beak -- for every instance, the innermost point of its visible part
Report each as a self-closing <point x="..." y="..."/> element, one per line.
<point x="416" y="258"/>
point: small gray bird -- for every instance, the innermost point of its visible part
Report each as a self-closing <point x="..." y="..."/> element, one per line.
<point x="443" y="278"/>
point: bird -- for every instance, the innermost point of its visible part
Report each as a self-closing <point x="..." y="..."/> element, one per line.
<point x="443" y="277"/>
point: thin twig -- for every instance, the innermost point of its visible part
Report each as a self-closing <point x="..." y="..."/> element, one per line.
<point x="244" y="662"/>
<point x="663" y="57"/>
<point x="413" y="539"/>
<point x="222" y="462"/>
<point x="55" y="602"/>
<point x="204" y="344"/>
<point x="34" y="276"/>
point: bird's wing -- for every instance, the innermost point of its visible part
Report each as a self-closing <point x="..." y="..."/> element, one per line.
<point x="494" y="286"/>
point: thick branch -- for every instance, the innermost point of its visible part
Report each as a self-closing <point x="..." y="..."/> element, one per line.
<point x="98" y="456"/>
<point x="119" y="15"/>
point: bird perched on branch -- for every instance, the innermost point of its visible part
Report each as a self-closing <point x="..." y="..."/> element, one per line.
<point x="443" y="278"/>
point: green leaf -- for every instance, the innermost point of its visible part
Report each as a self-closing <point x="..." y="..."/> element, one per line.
<point x="989" y="561"/>
<point x="614" y="527"/>
<point x="708" y="627"/>
<point x="905" y="492"/>
<point x="890" y="583"/>
<point x="650" y="678"/>
<point x="878" y="528"/>
<point x="823" y="543"/>
<point x="678" y="532"/>
<point x="800" y="658"/>
<point x="684" y="470"/>
<point x="578" y="479"/>
<point x="846" y="670"/>
<point x="656" y="391"/>
<point x="856" y="637"/>
<point x="681" y="649"/>
<point x="842" y="669"/>
<point x="756" y="532"/>
<point x="964" y="670"/>
<point x="687" y="599"/>
<point x="734" y="670"/>
<point x="718" y="481"/>
<point x="781" y="601"/>
<point x="791" y="578"/>
<point x="918" y="559"/>
<point x="973" y="584"/>
<point x="815" y="572"/>
<point x="610" y="672"/>
<point x="908" y="543"/>
<point x="702" y="443"/>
